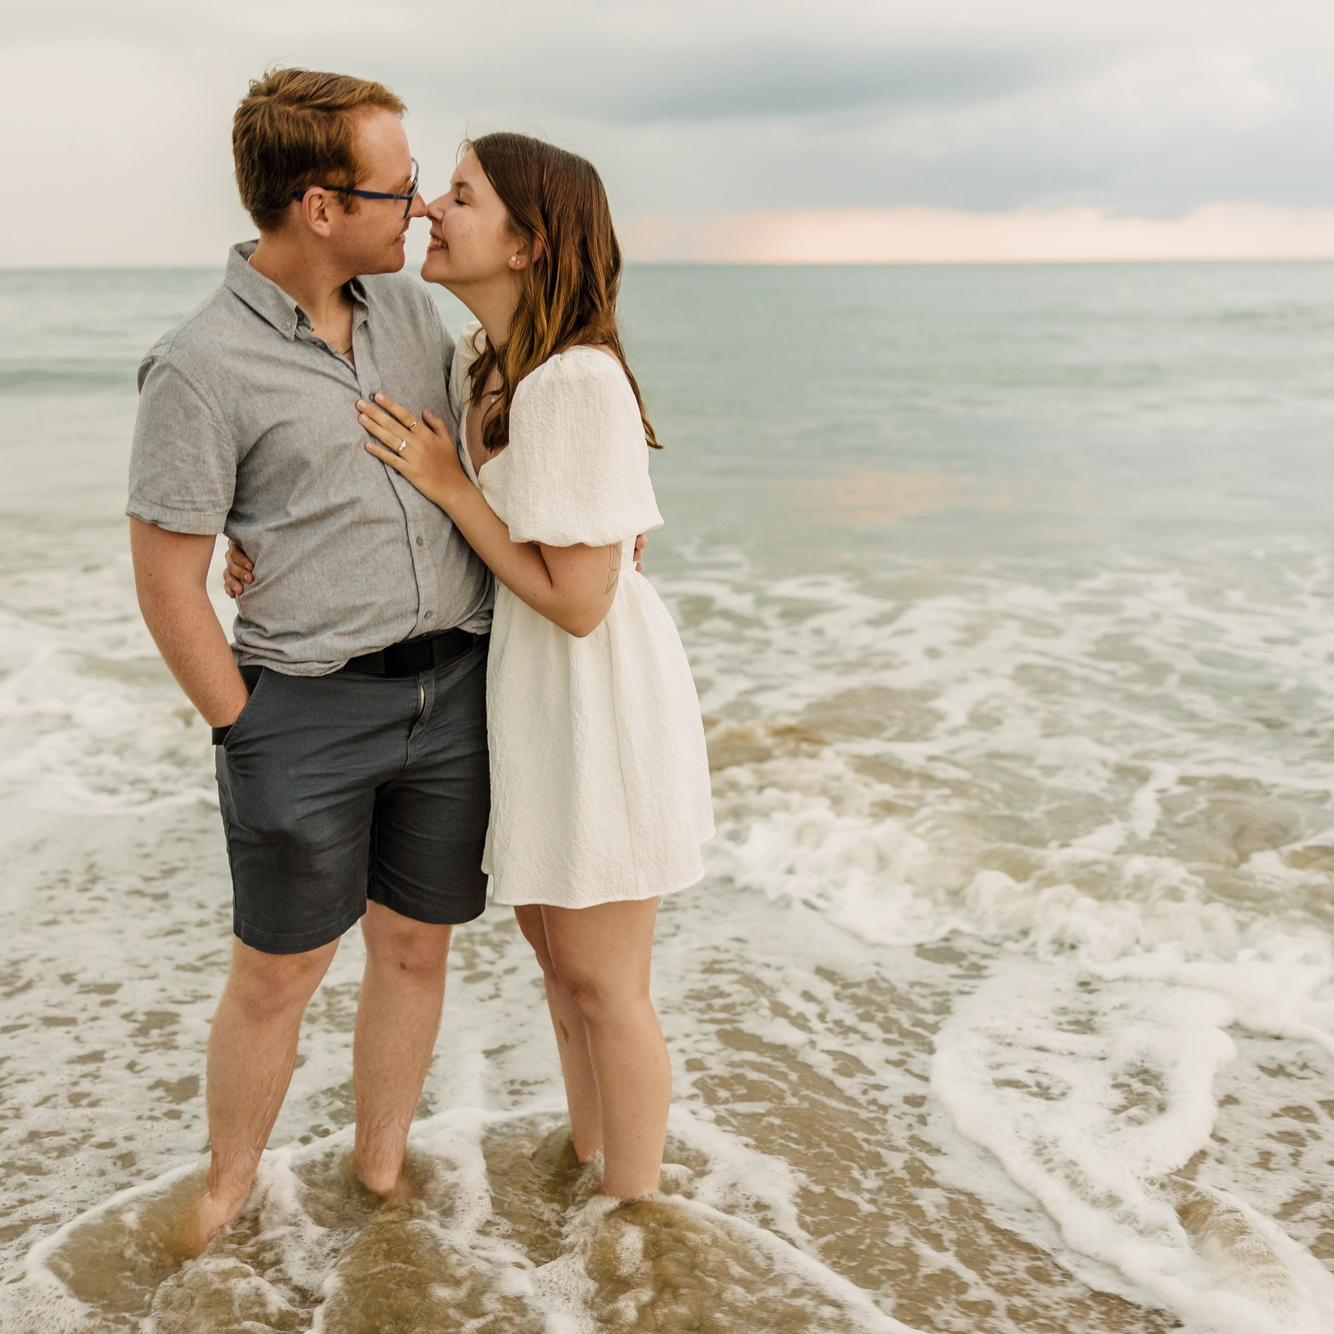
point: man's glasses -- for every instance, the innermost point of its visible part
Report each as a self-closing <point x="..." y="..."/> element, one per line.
<point x="371" y="194"/>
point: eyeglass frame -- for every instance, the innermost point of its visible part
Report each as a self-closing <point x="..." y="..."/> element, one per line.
<point x="371" y="194"/>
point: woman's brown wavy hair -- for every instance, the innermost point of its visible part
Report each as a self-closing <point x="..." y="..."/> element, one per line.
<point x="557" y="204"/>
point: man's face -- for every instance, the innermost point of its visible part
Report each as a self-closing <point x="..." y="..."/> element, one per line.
<point x="371" y="239"/>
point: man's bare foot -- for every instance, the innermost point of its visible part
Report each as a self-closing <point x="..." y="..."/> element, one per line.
<point x="382" y="1184"/>
<point x="380" y="1180"/>
<point x="391" y="1182"/>
<point x="205" y="1219"/>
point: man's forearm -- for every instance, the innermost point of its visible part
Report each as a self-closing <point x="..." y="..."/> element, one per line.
<point x="170" y="577"/>
<point x="186" y="631"/>
<point x="169" y="574"/>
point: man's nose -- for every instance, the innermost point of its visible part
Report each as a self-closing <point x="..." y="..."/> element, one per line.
<point x="418" y="208"/>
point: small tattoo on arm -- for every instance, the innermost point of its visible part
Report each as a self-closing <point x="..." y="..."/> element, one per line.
<point x="614" y="570"/>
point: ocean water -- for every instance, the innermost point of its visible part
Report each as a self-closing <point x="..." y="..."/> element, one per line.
<point x="1008" y="1001"/>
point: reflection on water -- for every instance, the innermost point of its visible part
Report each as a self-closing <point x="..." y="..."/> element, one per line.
<point x="879" y="498"/>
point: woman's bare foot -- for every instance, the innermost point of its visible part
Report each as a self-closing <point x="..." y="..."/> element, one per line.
<point x="558" y="1156"/>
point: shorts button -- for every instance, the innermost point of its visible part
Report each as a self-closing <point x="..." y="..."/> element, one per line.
<point x="430" y="616"/>
<point x="421" y="541"/>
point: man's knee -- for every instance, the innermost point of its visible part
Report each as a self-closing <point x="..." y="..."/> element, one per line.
<point x="407" y="947"/>
<point x="268" y="985"/>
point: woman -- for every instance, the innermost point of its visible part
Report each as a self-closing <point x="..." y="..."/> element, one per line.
<point x="599" y="774"/>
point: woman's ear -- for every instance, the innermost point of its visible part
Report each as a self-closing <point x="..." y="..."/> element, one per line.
<point x="529" y="253"/>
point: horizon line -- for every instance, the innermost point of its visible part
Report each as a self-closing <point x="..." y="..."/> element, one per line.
<point x="978" y="262"/>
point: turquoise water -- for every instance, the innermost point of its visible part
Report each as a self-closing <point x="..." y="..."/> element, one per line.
<point x="1102" y="402"/>
<point x="1008" y="595"/>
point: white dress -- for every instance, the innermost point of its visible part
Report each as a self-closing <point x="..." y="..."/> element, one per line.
<point x="599" y="772"/>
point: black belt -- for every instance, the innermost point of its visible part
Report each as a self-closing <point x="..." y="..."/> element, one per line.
<point x="415" y="655"/>
<point x="404" y="659"/>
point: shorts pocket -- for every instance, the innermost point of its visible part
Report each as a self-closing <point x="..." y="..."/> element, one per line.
<point x="247" y="714"/>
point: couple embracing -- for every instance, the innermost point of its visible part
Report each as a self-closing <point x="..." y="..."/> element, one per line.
<point x="447" y="665"/>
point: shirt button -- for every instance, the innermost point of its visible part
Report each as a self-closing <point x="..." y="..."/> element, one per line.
<point x="421" y="541"/>
<point x="430" y="616"/>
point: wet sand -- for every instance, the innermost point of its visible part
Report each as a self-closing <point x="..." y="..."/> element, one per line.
<point x="811" y="1171"/>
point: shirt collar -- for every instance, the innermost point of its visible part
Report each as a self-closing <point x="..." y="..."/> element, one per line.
<point x="270" y="302"/>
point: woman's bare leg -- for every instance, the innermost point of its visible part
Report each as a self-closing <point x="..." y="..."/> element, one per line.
<point x="576" y="1064"/>
<point x="603" y="958"/>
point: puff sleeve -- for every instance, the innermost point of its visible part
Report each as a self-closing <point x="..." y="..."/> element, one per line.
<point x="576" y="469"/>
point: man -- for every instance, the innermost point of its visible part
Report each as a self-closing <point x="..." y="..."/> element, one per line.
<point x="349" y="722"/>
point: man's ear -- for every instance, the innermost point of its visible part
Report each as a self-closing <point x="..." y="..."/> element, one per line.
<point x="316" y="211"/>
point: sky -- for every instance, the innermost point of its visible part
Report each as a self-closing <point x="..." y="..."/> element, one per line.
<point x="728" y="131"/>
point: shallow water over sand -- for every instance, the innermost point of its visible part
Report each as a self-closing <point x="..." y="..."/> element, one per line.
<point x="1008" y="1001"/>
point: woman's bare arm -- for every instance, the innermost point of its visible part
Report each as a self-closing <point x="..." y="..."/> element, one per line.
<point x="573" y="587"/>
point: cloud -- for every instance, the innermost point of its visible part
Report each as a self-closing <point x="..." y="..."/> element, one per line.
<point x="693" y="110"/>
<point x="944" y="236"/>
<point x="796" y="78"/>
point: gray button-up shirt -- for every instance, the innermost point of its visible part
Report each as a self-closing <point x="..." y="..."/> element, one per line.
<point x="247" y="425"/>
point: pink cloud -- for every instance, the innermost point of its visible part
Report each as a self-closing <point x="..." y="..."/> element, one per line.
<point x="926" y="235"/>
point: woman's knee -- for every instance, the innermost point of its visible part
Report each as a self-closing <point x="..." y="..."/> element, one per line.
<point x="601" y="993"/>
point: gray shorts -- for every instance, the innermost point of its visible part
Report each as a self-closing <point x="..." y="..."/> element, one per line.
<point x="340" y="789"/>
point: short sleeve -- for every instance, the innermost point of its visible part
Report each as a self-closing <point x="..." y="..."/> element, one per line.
<point x="183" y="461"/>
<point x="577" y="466"/>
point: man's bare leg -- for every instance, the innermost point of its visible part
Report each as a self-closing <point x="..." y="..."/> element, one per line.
<point x="251" y="1053"/>
<point x="576" y="1062"/>
<point x="398" y="1017"/>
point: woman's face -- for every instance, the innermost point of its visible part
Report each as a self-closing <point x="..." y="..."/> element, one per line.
<point x="471" y="241"/>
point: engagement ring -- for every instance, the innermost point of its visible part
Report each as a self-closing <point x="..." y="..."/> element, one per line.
<point x="402" y="445"/>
